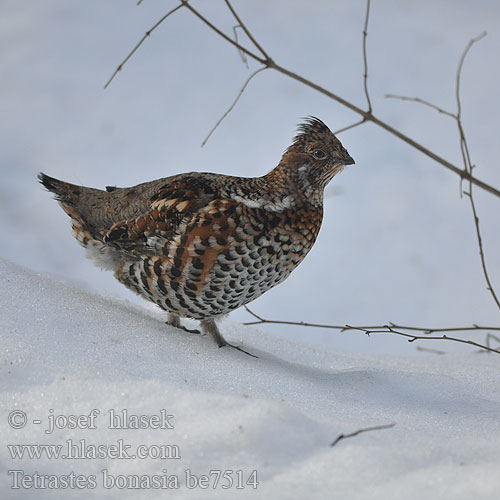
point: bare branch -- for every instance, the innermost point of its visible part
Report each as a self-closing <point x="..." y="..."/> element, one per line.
<point x="265" y="62"/>
<point x="421" y="101"/>
<point x="388" y="128"/>
<point x="242" y="54"/>
<point x="141" y="41"/>
<point x="412" y="338"/>
<point x="367" y="115"/>
<point x="255" y="315"/>
<point x="465" y="174"/>
<point x="464" y="149"/>
<point x="489" y="286"/>
<point x="244" y="28"/>
<point x="459" y="70"/>
<point x="468" y="167"/>
<point x="365" y="58"/>
<point x="442" y="330"/>
<point x="463" y="141"/>
<point x="343" y="328"/>
<point x="261" y="320"/>
<point x="353" y="125"/>
<point x="359" y="431"/>
<point x="240" y="93"/>
<point x="389" y="328"/>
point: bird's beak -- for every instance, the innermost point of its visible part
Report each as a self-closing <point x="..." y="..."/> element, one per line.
<point x="348" y="161"/>
<point x="341" y="164"/>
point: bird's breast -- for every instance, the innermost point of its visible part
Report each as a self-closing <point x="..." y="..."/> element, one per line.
<point x="220" y="261"/>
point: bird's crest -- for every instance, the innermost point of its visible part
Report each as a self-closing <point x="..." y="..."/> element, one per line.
<point x="312" y="129"/>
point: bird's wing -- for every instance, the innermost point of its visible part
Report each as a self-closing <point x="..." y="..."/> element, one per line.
<point x="171" y="206"/>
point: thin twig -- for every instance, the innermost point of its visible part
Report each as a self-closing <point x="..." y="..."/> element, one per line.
<point x="240" y="93"/>
<point x="389" y="328"/>
<point x="448" y="329"/>
<point x="388" y="128"/>
<point x="469" y="167"/>
<point x="141" y="41"/>
<point x="245" y="29"/>
<point x="439" y="110"/>
<point x="248" y="52"/>
<point x="421" y="101"/>
<point x="242" y="54"/>
<point x="369" y="116"/>
<point x="459" y="70"/>
<point x="365" y="77"/>
<point x="463" y="141"/>
<point x="348" y="127"/>
<point x="359" y="431"/>
<point x="344" y="328"/>
<point x="465" y="174"/>
<point x="365" y="58"/>
<point x="466" y="158"/>
<point x="481" y="251"/>
<point x="412" y="338"/>
<point x="268" y="62"/>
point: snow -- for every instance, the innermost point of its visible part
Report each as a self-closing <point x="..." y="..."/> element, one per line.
<point x="67" y="351"/>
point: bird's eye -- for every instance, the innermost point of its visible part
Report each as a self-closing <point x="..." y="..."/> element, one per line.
<point x="319" y="154"/>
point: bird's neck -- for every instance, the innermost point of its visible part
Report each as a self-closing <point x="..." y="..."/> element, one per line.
<point x="284" y="181"/>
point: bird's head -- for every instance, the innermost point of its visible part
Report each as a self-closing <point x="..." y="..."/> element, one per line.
<point x="314" y="158"/>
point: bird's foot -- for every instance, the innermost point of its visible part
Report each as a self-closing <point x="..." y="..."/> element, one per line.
<point x="209" y="327"/>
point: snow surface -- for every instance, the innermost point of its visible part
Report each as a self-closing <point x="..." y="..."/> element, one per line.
<point x="71" y="351"/>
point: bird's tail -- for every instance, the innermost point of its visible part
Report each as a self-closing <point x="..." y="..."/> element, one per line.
<point x="78" y="202"/>
<point x="65" y="193"/>
<point x="70" y="197"/>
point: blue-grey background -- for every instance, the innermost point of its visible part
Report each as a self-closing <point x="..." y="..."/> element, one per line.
<point x="397" y="243"/>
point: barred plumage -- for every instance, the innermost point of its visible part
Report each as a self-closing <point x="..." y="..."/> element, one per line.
<point x="201" y="245"/>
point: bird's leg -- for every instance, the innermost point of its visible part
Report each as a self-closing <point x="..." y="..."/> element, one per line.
<point x="209" y="327"/>
<point x="175" y="320"/>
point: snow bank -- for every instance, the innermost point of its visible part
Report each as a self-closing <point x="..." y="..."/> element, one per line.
<point x="68" y="352"/>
